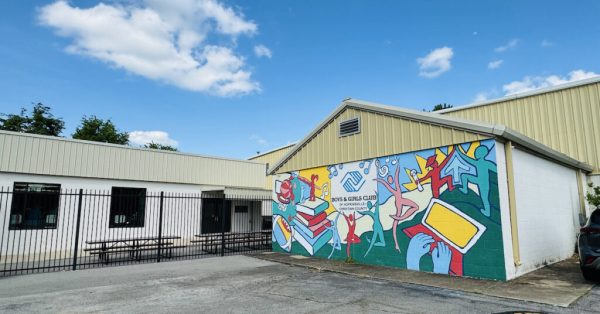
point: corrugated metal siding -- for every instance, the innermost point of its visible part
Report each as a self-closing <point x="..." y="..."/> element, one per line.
<point x="271" y="158"/>
<point x="23" y="153"/>
<point x="567" y="120"/>
<point x="380" y="135"/>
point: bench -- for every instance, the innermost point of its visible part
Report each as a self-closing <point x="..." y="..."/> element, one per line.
<point x="133" y="246"/>
<point x="211" y="243"/>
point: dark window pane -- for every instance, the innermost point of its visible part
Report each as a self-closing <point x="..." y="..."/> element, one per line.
<point x="127" y="207"/>
<point x="241" y="209"/>
<point x="267" y="223"/>
<point x="34" y="206"/>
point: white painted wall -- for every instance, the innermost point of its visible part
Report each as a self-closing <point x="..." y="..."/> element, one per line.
<point x="181" y="217"/>
<point x="547" y="205"/>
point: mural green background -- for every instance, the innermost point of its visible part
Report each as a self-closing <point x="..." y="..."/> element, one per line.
<point x="484" y="260"/>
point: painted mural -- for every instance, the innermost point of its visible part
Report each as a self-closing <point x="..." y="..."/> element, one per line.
<point x="433" y="210"/>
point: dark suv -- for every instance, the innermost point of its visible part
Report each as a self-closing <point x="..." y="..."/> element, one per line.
<point x="589" y="247"/>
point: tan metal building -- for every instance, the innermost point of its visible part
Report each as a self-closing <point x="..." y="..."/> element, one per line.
<point x="565" y="117"/>
<point x="482" y="190"/>
<point x="39" y="155"/>
<point x="270" y="158"/>
<point x="386" y="130"/>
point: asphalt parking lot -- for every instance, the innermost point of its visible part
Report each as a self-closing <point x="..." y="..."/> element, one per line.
<point x="240" y="284"/>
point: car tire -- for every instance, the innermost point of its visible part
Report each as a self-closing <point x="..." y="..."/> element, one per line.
<point x="589" y="274"/>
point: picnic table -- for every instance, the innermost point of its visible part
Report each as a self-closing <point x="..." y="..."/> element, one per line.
<point x="132" y="245"/>
<point x="212" y="242"/>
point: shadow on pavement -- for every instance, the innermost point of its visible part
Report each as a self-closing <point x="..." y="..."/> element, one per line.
<point x="558" y="284"/>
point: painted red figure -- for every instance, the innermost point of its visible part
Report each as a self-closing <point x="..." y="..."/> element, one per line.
<point x="312" y="184"/>
<point x="286" y="193"/>
<point x="351" y="238"/>
<point x="436" y="181"/>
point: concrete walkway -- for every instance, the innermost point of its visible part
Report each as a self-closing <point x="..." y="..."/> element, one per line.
<point x="558" y="284"/>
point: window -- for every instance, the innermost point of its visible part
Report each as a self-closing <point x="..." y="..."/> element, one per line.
<point x="349" y="127"/>
<point x="127" y="207"/>
<point x="241" y="209"/>
<point x="267" y="222"/>
<point x="595" y="218"/>
<point x="34" y="206"/>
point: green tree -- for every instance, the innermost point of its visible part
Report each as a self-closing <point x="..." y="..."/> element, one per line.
<point x="153" y="145"/>
<point x="41" y="121"/>
<point x="95" y="129"/>
<point x="441" y="107"/>
<point x="593" y="198"/>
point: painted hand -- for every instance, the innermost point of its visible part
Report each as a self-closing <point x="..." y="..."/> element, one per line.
<point x="441" y="256"/>
<point x="418" y="246"/>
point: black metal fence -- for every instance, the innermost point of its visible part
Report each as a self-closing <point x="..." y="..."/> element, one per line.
<point x="46" y="229"/>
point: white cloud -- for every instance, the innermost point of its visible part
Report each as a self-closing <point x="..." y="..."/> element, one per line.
<point x="262" y="51"/>
<point x="259" y="140"/>
<point x="144" y="137"/>
<point x="482" y="96"/>
<point x="546" y="43"/>
<point x="161" y="40"/>
<point x="495" y="64"/>
<point x="436" y="62"/>
<point x="512" y="44"/>
<point x="534" y="82"/>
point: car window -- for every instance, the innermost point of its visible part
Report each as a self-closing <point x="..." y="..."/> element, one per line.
<point x="595" y="218"/>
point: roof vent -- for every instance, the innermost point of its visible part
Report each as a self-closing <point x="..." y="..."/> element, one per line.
<point x="349" y="127"/>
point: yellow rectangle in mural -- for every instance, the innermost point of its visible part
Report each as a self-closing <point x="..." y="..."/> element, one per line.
<point x="448" y="222"/>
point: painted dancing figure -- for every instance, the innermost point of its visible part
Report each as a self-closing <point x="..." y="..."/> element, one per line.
<point x="377" y="239"/>
<point x="336" y="242"/>
<point x="482" y="179"/>
<point x="399" y="201"/>
<point x="351" y="238"/>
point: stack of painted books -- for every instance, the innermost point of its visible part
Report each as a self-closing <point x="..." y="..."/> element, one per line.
<point x="310" y="225"/>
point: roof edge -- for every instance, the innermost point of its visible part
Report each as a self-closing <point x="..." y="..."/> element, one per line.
<point x="496" y="130"/>
<point x="455" y="122"/>
<point x="273" y="150"/>
<point x="71" y="140"/>
<point x="544" y="150"/>
<point x="530" y="93"/>
<point x="310" y="135"/>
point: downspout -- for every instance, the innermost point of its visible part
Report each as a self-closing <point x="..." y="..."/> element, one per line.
<point x="581" y="196"/>
<point x="512" y="205"/>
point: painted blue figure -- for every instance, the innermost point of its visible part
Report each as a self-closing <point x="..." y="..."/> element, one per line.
<point x="336" y="242"/>
<point x="377" y="239"/>
<point x="420" y="245"/>
<point x="482" y="178"/>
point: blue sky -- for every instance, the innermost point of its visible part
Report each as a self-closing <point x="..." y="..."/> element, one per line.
<point x="230" y="78"/>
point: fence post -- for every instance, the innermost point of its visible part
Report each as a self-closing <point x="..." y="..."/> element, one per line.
<point x="160" y="218"/>
<point x="223" y="227"/>
<point x="77" y="229"/>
